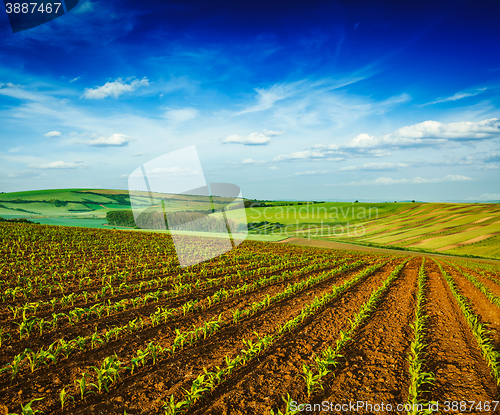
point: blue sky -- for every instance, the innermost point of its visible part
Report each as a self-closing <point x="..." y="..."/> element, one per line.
<point x="317" y="100"/>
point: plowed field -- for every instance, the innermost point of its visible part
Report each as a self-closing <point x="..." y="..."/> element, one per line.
<point x="106" y="322"/>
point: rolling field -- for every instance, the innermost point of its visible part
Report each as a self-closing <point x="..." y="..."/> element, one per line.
<point x="448" y="228"/>
<point x="96" y="321"/>
<point x="451" y="228"/>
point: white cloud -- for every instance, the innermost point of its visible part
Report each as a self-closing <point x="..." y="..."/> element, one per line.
<point x="416" y="180"/>
<point x="307" y="155"/>
<point x="267" y="97"/>
<point x="248" y="161"/>
<point x="253" y="139"/>
<point x="138" y="154"/>
<point x="455" y="97"/>
<point x="114" y="89"/>
<point x="310" y="173"/>
<point x="53" y="134"/>
<point x="375" y="166"/>
<point x="424" y="133"/>
<point x="114" y="140"/>
<point x="465" y="130"/>
<point x="273" y="168"/>
<point x="171" y="171"/>
<point x="486" y="196"/>
<point x="59" y="165"/>
<point x="181" y="115"/>
<point x="75" y="79"/>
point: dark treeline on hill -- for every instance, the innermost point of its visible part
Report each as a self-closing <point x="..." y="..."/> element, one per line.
<point x="265" y="203"/>
<point x="195" y="221"/>
<point x="20" y="220"/>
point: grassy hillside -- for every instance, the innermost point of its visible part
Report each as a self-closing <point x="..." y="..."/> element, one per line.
<point x="472" y="229"/>
<point x="463" y="229"/>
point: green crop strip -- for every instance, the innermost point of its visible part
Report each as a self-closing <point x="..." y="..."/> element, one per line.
<point x="479" y="330"/>
<point x="494" y="299"/>
<point x="418" y="378"/>
<point x="26" y="327"/>
<point x="330" y="357"/>
<point x="186" y="338"/>
<point x="162" y="314"/>
<point x="209" y="380"/>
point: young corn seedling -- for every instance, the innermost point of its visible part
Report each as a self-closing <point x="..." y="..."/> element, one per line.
<point x="237" y="315"/>
<point x="28" y="410"/>
<point x="171" y="407"/>
<point x="196" y="391"/>
<point x="312" y="380"/>
<point x="3" y="336"/>
<point x="288" y="409"/>
<point x="64" y="398"/>
<point x="17" y="364"/>
<point x="82" y="384"/>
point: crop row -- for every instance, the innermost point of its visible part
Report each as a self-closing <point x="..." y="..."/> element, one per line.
<point x="209" y="380"/>
<point x="479" y="330"/>
<point x="416" y="358"/>
<point x="74" y="316"/>
<point x="31" y="308"/>
<point x="188" y="337"/>
<point x="494" y="299"/>
<point x="161" y="314"/>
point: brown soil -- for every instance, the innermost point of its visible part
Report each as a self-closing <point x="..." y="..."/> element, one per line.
<point x="453" y="356"/>
<point x="374" y="366"/>
<point x="376" y="362"/>
<point x="277" y="373"/>
<point x="488" y="313"/>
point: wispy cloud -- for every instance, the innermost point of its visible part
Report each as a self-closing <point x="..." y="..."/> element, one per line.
<point x="306" y="155"/>
<point x="59" y="165"/>
<point x="114" y="89"/>
<point x="114" y="140"/>
<point x="26" y="174"/>
<point x="384" y="181"/>
<point x="266" y="97"/>
<point x="253" y="139"/>
<point x="84" y="7"/>
<point x="455" y="97"/>
<point x="486" y="196"/>
<point x="181" y="115"/>
<point x="53" y="134"/>
<point x="75" y="79"/>
<point x="375" y="166"/>
<point x="310" y="173"/>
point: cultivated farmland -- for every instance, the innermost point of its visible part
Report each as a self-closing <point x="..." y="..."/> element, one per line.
<point x="100" y="321"/>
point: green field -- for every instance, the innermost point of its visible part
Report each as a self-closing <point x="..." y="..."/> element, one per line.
<point x="461" y="229"/>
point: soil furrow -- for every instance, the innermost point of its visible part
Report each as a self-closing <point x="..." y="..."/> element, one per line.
<point x="173" y="374"/>
<point x="453" y="356"/>
<point x="481" y="305"/>
<point x="261" y="385"/>
<point x="68" y="331"/>
<point x="375" y="366"/>
<point x="126" y="347"/>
